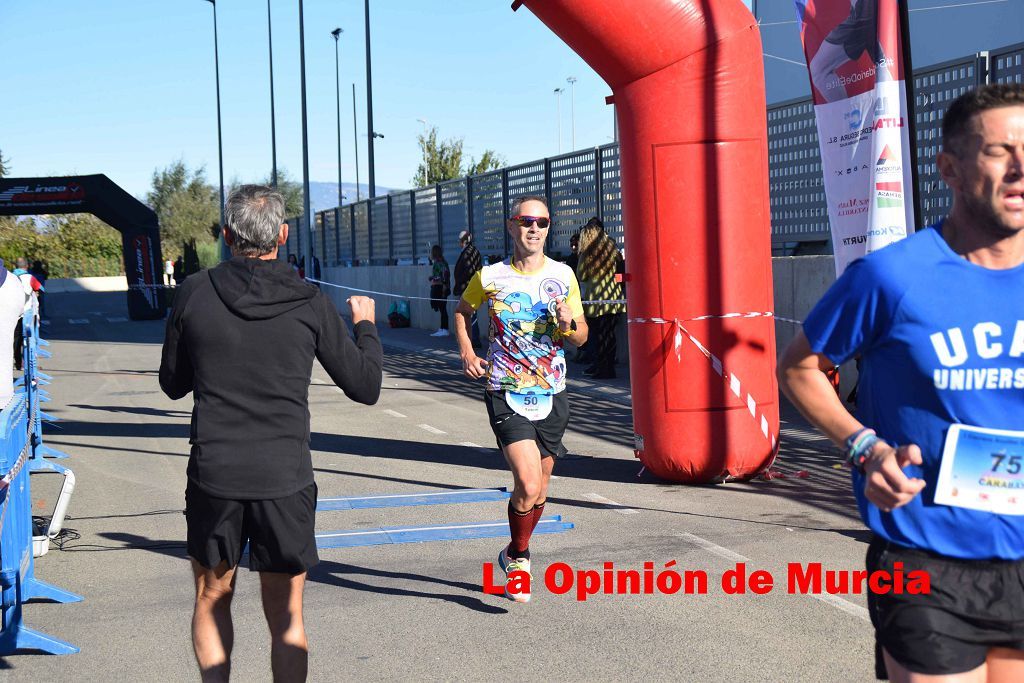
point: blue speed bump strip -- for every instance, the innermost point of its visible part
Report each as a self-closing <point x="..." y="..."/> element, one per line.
<point x="437" y="532"/>
<point x="402" y="499"/>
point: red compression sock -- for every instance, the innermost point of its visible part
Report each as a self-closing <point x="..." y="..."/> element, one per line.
<point x="538" y="512"/>
<point x="521" y="526"/>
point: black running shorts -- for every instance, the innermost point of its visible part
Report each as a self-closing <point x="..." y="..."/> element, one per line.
<point x="509" y="426"/>
<point x="974" y="605"/>
<point x="279" y="531"/>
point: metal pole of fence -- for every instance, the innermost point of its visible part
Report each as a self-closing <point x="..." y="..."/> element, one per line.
<point x="371" y="133"/>
<point x="355" y="143"/>
<point x="391" y="234"/>
<point x="306" y="226"/>
<point x="273" y="125"/>
<point x="412" y="223"/>
<point x="337" y="91"/>
<point x="224" y="252"/>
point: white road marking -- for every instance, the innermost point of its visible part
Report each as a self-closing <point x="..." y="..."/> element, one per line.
<point x="78" y="321"/>
<point x="470" y="444"/>
<point x="725" y="553"/>
<point x="394" y="413"/>
<point x="432" y="430"/>
<point x="618" y="507"/>
<point x="117" y="319"/>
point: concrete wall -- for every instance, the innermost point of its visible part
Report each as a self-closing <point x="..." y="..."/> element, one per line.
<point x="116" y="283"/>
<point x="799" y="282"/>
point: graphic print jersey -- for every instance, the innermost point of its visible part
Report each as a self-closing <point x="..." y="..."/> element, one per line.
<point x="525" y="353"/>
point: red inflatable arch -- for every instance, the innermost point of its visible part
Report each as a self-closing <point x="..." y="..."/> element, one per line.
<point x="688" y="85"/>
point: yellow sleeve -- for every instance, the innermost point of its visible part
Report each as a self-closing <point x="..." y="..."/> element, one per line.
<point x="573" y="297"/>
<point x="474" y="294"/>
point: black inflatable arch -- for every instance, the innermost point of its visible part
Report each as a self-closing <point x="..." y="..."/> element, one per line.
<point x="100" y="196"/>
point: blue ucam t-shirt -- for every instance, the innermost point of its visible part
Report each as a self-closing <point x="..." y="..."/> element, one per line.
<point x="942" y="341"/>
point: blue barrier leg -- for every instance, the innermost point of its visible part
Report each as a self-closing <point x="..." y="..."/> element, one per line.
<point x="40" y="465"/>
<point x="47" y="452"/>
<point x="34" y="589"/>
<point x="26" y="639"/>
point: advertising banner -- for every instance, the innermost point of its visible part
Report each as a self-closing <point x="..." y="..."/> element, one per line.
<point x="854" y="52"/>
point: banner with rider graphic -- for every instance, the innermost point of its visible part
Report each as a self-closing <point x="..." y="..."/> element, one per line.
<point x="855" y="56"/>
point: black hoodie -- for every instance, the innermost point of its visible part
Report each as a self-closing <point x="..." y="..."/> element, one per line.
<point x="242" y="337"/>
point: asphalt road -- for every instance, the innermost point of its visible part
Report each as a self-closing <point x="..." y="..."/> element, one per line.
<point x="417" y="610"/>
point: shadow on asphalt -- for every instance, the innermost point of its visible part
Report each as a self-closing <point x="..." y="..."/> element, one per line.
<point x="600" y="418"/>
<point x="327" y="572"/>
<point x="338" y="574"/>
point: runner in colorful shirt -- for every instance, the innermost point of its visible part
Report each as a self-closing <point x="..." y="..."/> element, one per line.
<point x="535" y="307"/>
<point x="937" y="446"/>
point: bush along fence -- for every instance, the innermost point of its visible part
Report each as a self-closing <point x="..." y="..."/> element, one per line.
<point x="22" y="454"/>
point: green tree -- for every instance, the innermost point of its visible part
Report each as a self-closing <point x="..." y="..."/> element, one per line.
<point x="489" y="161"/>
<point x="186" y="206"/>
<point x="291" y="190"/>
<point x="4" y="168"/>
<point x="444" y="160"/>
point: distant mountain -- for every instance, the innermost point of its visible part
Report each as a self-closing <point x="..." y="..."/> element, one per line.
<point x="325" y="195"/>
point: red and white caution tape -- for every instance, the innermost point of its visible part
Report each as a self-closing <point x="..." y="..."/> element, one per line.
<point x="735" y="385"/>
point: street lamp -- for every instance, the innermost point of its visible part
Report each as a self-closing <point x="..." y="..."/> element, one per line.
<point x="558" y="99"/>
<point x="273" y="125"/>
<point x="224" y="251"/>
<point x="571" y="80"/>
<point x="337" y="83"/>
<point x="369" y="107"/>
<point x="305" y="227"/>
<point x="355" y="142"/>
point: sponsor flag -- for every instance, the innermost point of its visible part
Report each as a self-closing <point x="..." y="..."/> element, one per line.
<point x="856" y="60"/>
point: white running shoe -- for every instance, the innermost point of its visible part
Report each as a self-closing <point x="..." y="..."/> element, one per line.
<point x="440" y="333"/>
<point x="509" y="565"/>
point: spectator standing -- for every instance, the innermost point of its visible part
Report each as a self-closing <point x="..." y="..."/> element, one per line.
<point x="599" y="258"/>
<point x="242" y="337"/>
<point x="573" y="260"/>
<point x="440" y="288"/>
<point x="30" y="287"/>
<point x="468" y="264"/>
<point x="12" y="304"/>
<point x="179" y="270"/>
<point x="40" y="272"/>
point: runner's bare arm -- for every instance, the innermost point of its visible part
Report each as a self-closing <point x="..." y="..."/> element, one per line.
<point x="473" y="366"/>
<point x="563" y="316"/>
<point x="803" y="381"/>
<point x="805" y="385"/>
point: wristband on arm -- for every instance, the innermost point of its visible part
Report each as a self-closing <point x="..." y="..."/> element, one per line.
<point x="858" y="447"/>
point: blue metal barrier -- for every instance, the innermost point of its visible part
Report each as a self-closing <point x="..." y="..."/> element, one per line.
<point x="17" y="584"/>
<point x="30" y="328"/>
<point x="21" y="453"/>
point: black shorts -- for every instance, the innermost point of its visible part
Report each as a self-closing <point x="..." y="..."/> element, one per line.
<point x="974" y="605"/>
<point x="509" y="426"/>
<point x="279" y="531"/>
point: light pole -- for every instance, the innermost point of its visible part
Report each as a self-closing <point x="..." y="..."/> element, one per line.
<point x="369" y="107"/>
<point x="306" y="227"/>
<point x="337" y="82"/>
<point x="224" y="251"/>
<point x="558" y="100"/>
<point x="273" y="125"/>
<point x="426" y="125"/>
<point x="355" y="142"/>
<point x="571" y="80"/>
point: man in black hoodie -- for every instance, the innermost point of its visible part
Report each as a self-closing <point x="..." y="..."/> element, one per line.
<point x="242" y="337"/>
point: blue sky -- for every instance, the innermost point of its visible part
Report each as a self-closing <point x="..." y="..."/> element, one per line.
<point x="124" y="87"/>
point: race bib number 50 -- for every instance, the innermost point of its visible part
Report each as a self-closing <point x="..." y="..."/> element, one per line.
<point x="982" y="469"/>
